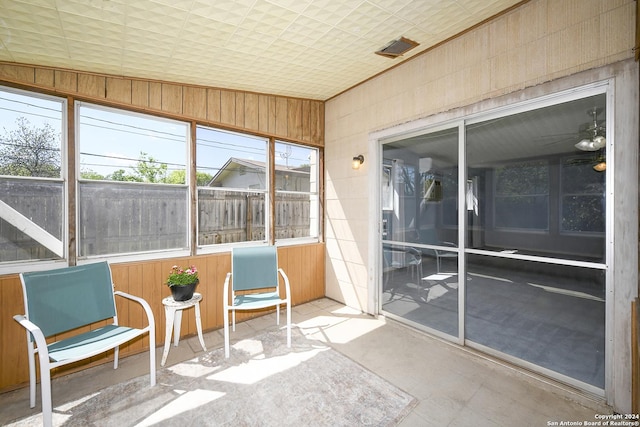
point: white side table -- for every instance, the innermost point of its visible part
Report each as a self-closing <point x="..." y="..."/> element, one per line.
<point x="173" y="313"/>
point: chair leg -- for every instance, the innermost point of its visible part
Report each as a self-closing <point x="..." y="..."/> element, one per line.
<point x="278" y="314"/>
<point x="233" y="316"/>
<point x="226" y="333"/>
<point x="45" y="386"/>
<point x="115" y="357"/>
<point x="289" y="324"/>
<point x="152" y="355"/>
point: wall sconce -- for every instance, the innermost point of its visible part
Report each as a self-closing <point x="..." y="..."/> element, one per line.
<point x="357" y="161"/>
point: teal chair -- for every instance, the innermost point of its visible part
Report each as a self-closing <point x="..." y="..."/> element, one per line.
<point x="254" y="275"/>
<point x="429" y="236"/>
<point x="66" y="299"/>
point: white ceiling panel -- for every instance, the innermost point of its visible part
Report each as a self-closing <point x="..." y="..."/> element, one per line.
<point x="302" y="48"/>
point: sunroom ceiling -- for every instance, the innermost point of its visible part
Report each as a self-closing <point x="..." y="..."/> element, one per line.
<point x="302" y="48"/>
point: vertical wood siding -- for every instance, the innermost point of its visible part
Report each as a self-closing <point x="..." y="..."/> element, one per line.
<point x="303" y="264"/>
<point x="293" y="119"/>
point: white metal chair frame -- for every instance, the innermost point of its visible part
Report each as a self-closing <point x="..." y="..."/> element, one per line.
<point x="253" y="285"/>
<point x="64" y="296"/>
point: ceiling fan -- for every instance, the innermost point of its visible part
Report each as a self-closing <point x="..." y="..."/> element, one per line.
<point x="595" y="139"/>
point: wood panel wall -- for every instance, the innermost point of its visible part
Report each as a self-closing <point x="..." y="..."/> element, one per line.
<point x="304" y="265"/>
<point x="292" y="119"/>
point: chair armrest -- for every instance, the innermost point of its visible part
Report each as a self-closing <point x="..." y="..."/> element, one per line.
<point x="145" y="305"/>
<point x="36" y="333"/>
<point x="287" y="288"/>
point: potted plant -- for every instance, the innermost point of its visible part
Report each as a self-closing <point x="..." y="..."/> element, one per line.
<point x="183" y="282"/>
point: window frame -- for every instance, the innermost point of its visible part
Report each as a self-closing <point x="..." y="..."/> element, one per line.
<point x="136" y="255"/>
<point x="314" y="200"/>
<point x="10" y="267"/>
<point x="70" y="145"/>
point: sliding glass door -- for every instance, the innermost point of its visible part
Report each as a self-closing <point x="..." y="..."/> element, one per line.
<point x="525" y="277"/>
<point x="535" y="286"/>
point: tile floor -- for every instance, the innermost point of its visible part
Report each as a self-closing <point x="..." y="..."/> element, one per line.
<point x="453" y="386"/>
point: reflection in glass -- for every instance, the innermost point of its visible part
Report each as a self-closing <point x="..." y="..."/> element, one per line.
<point x="534" y="192"/>
<point x="419" y="215"/>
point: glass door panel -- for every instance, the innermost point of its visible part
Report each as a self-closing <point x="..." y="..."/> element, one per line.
<point x="547" y="314"/>
<point x="419" y="193"/>
<point x="535" y="237"/>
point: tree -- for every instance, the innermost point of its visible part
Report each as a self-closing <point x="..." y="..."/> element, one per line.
<point x="203" y="179"/>
<point x="176" y="177"/>
<point x="149" y="169"/>
<point x="121" y="175"/>
<point x="30" y="151"/>
<point x="91" y="174"/>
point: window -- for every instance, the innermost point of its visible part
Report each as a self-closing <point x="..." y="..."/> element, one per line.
<point x="522" y="196"/>
<point x="232" y="187"/>
<point x="31" y="177"/>
<point x="132" y="187"/>
<point x="583" y="197"/>
<point x="296" y="182"/>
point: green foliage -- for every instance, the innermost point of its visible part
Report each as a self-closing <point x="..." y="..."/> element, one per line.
<point x="30" y="151"/>
<point x="121" y="175"/>
<point x="176" y="177"/>
<point x="203" y="179"/>
<point x="179" y="276"/>
<point x="91" y="174"/>
<point x="150" y="170"/>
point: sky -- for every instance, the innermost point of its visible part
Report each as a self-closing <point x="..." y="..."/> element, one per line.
<point x="111" y="139"/>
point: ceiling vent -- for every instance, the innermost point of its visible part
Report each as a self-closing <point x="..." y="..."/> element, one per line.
<point x="397" y="48"/>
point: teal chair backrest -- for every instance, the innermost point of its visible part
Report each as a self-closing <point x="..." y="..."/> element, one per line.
<point x="254" y="268"/>
<point x="67" y="298"/>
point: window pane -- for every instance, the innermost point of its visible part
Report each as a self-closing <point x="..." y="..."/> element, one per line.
<point x="38" y="213"/>
<point x="228" y="216"/>
<point x="583" y="198"/>
<point x="129" y="167"/>
<point x="232" y="181"/>
<point x="296" y="184"/>
<point x="420" y="218"/>
<point x="119" y="218"/>
<point x="522" y="196"/>
<point x="31" y="186"/>
<point x="31" y="136"/>
<point x="548" y="315"/>
<point x="534" y="191"/>
<point x="117" y="145"/>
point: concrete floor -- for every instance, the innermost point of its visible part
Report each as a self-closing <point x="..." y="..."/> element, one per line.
<point x="453" y="386"/>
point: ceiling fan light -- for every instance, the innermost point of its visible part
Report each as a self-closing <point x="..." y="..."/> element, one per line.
<point x="587" y="145"/>
<point x="600" y="167"/>
<point x="600" y="141"/>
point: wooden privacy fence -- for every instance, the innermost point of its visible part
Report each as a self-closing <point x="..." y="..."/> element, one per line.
<point x="126" y="217"/>
<point x="230" y="216"/>
<point x="39" y="201"/>
<point x="234" y="216"/>
<point x="131" y="217"/>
